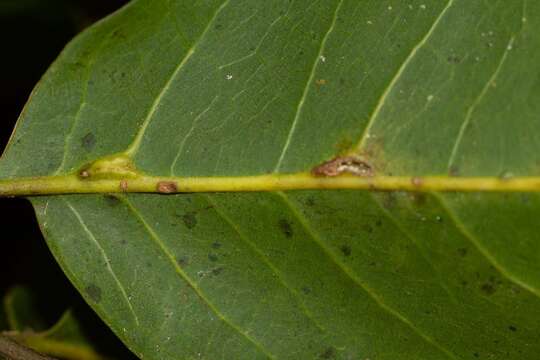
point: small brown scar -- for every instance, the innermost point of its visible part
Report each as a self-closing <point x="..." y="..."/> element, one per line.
<point x="166" y="187"/>
<point x="345" y="164"/>
<point x="416" y="181"/>
<point x="123" y="185"/>
<point x="84" y="174"/>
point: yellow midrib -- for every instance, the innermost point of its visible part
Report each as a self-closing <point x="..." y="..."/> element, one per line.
<point x="140" y="183"/>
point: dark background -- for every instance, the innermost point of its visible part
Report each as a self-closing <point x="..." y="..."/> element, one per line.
<point x="32" y="34"/>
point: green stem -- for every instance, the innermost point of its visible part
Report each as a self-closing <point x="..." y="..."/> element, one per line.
<point x="78" y="184"/>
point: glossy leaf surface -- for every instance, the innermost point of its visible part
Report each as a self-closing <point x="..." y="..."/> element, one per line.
<point x="231" y="88"/>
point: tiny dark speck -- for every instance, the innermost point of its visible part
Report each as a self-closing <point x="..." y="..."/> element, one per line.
<point x="329" y="353"/>
<point x="476" y="355"/>
<point x="212" y="257"/>
<point x="183" y="260"/>
<point x="88" y="141"/>
<point x="216" y="245"/>
<point x="217" y="271"/>
<point x="93" y="292"/>
<point x="346" y="250"/>
<point x="512" y="328"/>
<point x="111" y="200"/>
<point x="488" y="289"/>
<point x="462" y="252"/>
<point x="286" y="227"/>
<point x="190" y="220"/>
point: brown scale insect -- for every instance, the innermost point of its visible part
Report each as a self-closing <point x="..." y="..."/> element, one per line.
<point x="346" y="164"/>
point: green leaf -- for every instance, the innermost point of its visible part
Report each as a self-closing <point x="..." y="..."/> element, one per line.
<point x="76" y="335"/>
<point x="240" y="88"/>
<point x="22" y="312"/>
<point x="66" y="339"/>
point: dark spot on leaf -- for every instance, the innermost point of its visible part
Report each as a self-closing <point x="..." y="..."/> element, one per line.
<point x="119" y="34"/>
<point x="462" y="252"/>
<point x="111" y="200"/>
<point x="218" y="26"/>
<point x="454" y="171"/>
<point x="476" y="355"/>
<point x="286" y="228"/>
<point x="488" y="289"/>
<point x="453" y="59"/>
<point x="183" y="260"/>
<point x="512" y="328"/>
<point x="418" y="198"/>
<point x="93" y="292"/>
<point x="190" y="220"/>
<point x="329" y="353"/>
<point x="378" y="222"/>
<point x="212" y="257"/>
<point x="88" y="141"/>
<point x="389" y="200"/>
<point x="346" y="250"/>
<point x="217" y="271"/>
<point x="216" y="245"/>
<point x="306" y="290"/>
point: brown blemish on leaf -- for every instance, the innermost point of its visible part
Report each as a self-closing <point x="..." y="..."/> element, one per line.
<point x="417" y="182"/>
<point x="123" y="185"/>
<point x="217" y="271"/>
<point x="190" y="220"/>
<point x="389" y="200"/>
<point x="347" y="164"/>
<point x="453" y="171"/>
<point x="488" y="289"/>
<point x="346" y="250"/>
<point x="167" y="187"/>
<point x="93" y="292"/>
<point x="88" y="141"/>
<point x="111" y="199"/>
<point x="320" y="82"/>
<point x="183" y="261"/>
<point x="286" y="228"/>
<point x="418" y="198"/>
<point x="306" y="290"/>
<point x="84" y="174"/>
<point x="329" y="353"/>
